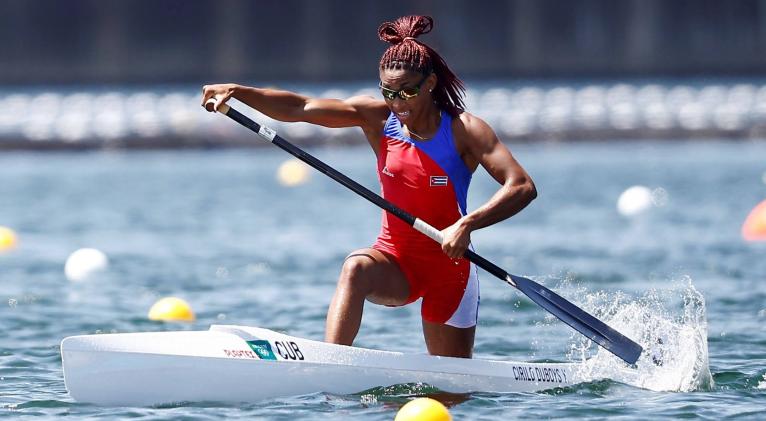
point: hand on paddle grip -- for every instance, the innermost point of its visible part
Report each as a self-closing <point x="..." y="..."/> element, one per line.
<point x="455" y="239"/>
<point x="215" y="95"/>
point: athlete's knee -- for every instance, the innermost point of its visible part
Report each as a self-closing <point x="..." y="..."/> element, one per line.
<point x="356" y="274"/>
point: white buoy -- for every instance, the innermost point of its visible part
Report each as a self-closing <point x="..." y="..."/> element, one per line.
<point x="634" y="201"/>
<point x="84" y="263"/>
<point x="293" y="172"/>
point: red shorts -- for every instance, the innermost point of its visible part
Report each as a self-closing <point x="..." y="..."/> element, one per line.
<point x="449" y="287"/>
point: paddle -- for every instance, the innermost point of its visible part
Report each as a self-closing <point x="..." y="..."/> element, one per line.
<point x="593" y="328"/>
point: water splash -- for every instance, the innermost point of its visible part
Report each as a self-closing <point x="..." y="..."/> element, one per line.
<point x="669" y="324"/>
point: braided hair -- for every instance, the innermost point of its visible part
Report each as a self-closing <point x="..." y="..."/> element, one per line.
<point x="407" y="53"/>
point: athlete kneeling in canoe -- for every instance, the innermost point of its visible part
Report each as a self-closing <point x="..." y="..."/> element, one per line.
<point x="427" y="148"/>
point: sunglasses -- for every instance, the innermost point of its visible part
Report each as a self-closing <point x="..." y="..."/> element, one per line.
<point x="404" y="93"/>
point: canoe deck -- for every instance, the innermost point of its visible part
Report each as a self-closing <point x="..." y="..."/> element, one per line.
<point x="247" y="364"/>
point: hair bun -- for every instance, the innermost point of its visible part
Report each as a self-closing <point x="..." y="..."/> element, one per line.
<point x="406" y="27"/>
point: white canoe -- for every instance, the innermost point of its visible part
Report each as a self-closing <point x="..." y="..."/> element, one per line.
<point x="247" y="364"/>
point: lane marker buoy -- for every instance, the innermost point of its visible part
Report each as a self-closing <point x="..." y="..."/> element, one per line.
<point x="754" y="228"/>
<point x="423" y="409"/>
<point x="171" y="309"/>
<point x="8" y="239"/>
<point x="84" y="264"/>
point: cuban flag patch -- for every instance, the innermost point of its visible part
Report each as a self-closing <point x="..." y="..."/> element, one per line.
<point x="439" y="180"/>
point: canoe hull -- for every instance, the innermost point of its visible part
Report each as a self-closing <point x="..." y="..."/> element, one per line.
<point x="245" y="364"/>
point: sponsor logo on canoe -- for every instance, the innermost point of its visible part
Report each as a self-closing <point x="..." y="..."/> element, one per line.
<point x="262" y="349"/>
<point x="288" y="350"/>
<point x="240" y="353"/>
<point x="438" y="180"/>
<point x="539" y="374"/>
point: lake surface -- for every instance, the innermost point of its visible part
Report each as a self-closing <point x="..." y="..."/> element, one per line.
<point x="216" y="228"/>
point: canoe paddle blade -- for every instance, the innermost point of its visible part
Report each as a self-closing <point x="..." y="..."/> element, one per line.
<point x="591" y="327"/>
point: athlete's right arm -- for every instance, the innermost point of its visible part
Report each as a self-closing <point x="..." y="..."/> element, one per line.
<point x="360" y="111"/>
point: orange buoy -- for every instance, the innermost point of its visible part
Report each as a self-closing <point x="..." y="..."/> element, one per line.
<point x="754" y="228"/>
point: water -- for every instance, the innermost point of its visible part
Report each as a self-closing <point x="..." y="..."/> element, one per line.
<point x="217" y="229"/>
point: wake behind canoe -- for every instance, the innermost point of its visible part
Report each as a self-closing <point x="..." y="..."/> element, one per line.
<point x="248" y="364"/>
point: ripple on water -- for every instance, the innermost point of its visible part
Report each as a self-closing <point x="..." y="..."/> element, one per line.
<point x="737" y="380"/>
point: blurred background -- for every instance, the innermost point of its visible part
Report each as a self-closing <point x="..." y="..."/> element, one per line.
<point x="641" y="121"/>
<point x="123" y="74"/>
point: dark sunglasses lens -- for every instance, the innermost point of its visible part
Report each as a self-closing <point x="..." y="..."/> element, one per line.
<point x="388" y="94"/>
<point x="409" y="93"/>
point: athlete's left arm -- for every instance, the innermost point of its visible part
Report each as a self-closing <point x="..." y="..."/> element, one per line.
<point x="479" y="144"/>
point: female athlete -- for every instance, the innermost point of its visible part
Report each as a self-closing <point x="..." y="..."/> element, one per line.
<point x="427" y="148"/>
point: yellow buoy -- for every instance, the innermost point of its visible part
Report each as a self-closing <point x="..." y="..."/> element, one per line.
<point x="7" y="239"/>
<point x="171" y="309"/>
<point x="423" y="409"/>
<point x="754" y="228"/>
<point x="293" y="172"/>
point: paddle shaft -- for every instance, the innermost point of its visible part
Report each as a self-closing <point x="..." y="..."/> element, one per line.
<point x="572" y="315"/>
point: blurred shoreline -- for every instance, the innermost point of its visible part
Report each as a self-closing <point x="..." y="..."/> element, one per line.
<point x="46" y="118"/>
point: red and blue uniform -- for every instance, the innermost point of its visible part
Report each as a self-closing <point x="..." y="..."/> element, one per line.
<point x="429" y="180"/>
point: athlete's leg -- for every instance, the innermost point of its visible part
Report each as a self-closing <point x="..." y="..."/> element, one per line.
<point x="448" y="341"/>
<point x="450" y="309"/>
<point x="366" y="274"/>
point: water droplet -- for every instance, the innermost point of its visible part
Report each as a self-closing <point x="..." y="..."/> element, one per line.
<point x="659" y="197"/>
<point x="222" y="273"/>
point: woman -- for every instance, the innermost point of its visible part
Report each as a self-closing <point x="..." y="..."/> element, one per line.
<point x="427" y="147"/>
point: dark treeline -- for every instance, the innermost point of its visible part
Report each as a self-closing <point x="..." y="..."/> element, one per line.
<point x="165" y="41"/>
